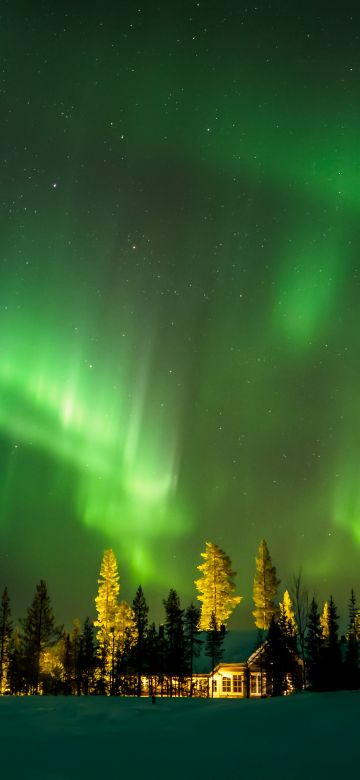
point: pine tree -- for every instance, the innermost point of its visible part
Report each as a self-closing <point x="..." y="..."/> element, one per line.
<point x="39" y="632"/>
<point x="332" y="654"/>
<point x="324" y="621"/>
<point x="140" y="613"/>
<point x="278" y="657"/>
<point x="5" y="640"/>
<point x="301" y="607"/>
<point x="67" y="662"/>
<point x="314" y="646"/>
<point x="265" y="588"/>
<point x="175" y="643"/>
<point x="214" y="645"/>
<point x="287" y="616"/>
<point x="15" y="670"/>
<point x="192" y="641"/>
<point x="351" y="663"/>
<point x="216" y="587"/>
<point x="87" y="658"/>
<point x="75" y="637"/>
<point x="107" y="613"/>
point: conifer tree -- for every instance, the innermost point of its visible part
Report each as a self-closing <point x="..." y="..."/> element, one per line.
<point x="265" y="588"/>
<point x="140" y="619"/>
<point x="332" y="654"/>
<point x="278" y="656"/>
<point x="107" y="613"/>
<point x="351" y="663"/>
<point x="87" y="658"/>
<point x="216" y="587"/>
<point x="324" y="621"/>
<point x="15" y="670"/>
<point x="192" y="641"/>
<point x="287" y="616"/>
<point x="314" y="645"/>
<point x="214" y="645"/>
<point x="174" y="636"/>
<point x="39" y="632"/>
<point x="5" y="640"/>
<point x="300" y="597"/>
<point x="75" y="637"/>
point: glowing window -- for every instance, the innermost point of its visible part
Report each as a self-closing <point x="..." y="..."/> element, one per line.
<point x="226" y="684"/>
<point x="238" y="683"/>
<point x="255" y="683"/>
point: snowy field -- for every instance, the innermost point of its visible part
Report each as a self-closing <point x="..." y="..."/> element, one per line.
<point x="304" y="736"/>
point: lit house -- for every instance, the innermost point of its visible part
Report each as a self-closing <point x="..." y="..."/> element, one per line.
<point x="235" y="680"/>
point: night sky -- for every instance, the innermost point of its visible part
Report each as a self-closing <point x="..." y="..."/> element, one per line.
<point x="179" y="295"/>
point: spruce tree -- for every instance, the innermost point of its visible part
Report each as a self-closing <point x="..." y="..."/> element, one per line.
<point x="192" y="641"/>
<point x="265" y="588"/>
<point x="278" y="656"/>
<point x="87" y="658"/>
<point x="216" y="587"/>
<point x="331" y="651"/>
<point x="314" y="645"/>
<point x="214" y="645"/>
<point x="140" y="613"/>
<point x="351" y="663"/>
<point x="39" y="632"/>
<point x="175" y="642"/>
<point x="5" y="640"/>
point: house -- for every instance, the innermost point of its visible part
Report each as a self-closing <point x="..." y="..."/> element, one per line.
<point x="248" y="679"/>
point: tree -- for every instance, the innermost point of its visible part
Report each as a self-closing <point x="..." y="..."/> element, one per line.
<point x="351" y="663"/>
<point x="331" y="655"/>
<point x="279" y="658"/>
<point x="192" y="641"/>
<point x="107" y="612"/>
<point x="265" y="588"/>
<point x="287" y="616"/>
<point x="324" y="620"/>
<point x="5" y="639"/>
<point x="300" y="597"/>
<point x="87" y="658"/>
<point x="39" y="632"/>
<point x="314" y="644"/>
<point x="140" y="619"/>
<point x="174" y="636"/>
<point x="214" y="645"/>
<point x="216" y="587"/>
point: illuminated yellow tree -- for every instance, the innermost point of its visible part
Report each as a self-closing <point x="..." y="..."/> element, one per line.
<point x="216" y="587"/>
<point x="325" y="621"/>
<point x="287" y="614"/>
<point x="107" y="608"/>
<point x="265" y="588"/>
<point x="125" y="629"/>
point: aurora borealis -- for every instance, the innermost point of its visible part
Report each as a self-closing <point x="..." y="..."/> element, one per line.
<point x="179" y="298"/>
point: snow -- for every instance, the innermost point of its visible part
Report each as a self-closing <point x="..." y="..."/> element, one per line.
<point x="61" y="738"/>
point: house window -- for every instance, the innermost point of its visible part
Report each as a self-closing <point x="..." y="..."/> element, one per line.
<point x="255" y="683"/>
<point x="238" y="683"/>
<point x="214" y="686"/>
<point x="226" y="685"/>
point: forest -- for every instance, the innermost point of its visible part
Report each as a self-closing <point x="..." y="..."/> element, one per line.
<point x="123" y="653"/>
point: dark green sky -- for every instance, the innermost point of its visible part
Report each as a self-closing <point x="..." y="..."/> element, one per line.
<point x="179" y="294"/>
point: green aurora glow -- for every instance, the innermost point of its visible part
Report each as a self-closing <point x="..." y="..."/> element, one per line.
<point x="179" y="301"/>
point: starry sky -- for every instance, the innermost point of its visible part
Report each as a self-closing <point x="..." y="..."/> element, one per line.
<point x="179" y="295"/>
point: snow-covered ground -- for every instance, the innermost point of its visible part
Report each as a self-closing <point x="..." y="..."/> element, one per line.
<point x="307" y="736"/>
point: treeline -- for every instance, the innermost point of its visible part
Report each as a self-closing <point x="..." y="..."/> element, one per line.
<point x="122" y="653"/>
<point x="41" y="657"/>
